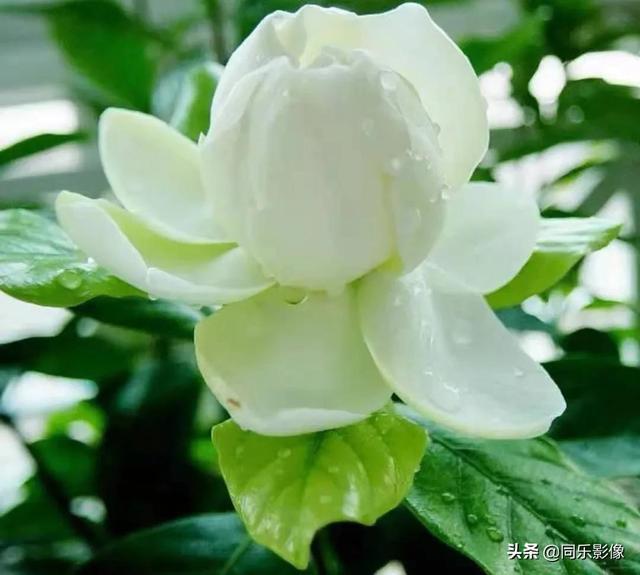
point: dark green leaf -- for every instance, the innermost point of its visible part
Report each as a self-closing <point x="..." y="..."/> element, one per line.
<point x="601" y="427"/>
<point x="562" y="242"/>
<point x="68" y="355"/>
<point x="146" y="473"/>
<point x="201" y="545"/>
<point x="479" y="495"/>
<point x="40" y="264"/>
<point x="106" y="45"/>
<point x="183" y="97"/>
<point x="157" y="317"/>
<point x="36" y="144"/>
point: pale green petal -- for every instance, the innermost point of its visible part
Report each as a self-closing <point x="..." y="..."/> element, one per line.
<point x="488" y="235"/>
<point x="154" y="171"/>
<point x="126" y="246"/>
<point x="445" y="353"/>
<point x="285" y="368"/>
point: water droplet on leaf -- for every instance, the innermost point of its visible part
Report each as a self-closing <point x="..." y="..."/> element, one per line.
<point x="448" y="497"/>
<point x="284" y="453"/>
<point x="495" y="534"/>
<point x="69" y="279"/>
<point x="472" y="519"/>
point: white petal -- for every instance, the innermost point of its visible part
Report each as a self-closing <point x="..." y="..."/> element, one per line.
<point x="322" y="173"/>
<point x="154" y="171"/>
<point x="445" y="353"/>
<point x="124" y="244"/>
<point x="282" y="369"/>
<point x="405" y="40"/>
<point x="489" y="233"/>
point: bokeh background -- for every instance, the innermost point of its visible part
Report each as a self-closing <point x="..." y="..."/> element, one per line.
<point x="105" y="429"/>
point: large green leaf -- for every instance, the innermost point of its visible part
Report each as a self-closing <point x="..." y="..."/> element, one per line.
<point x="286" y="488"/>
<point x="201" y="545"/>
<point x="158" y="317"/>
<point x="562" y="242"/>
<point x="600" y="428"/>
<point x="183" y="97"/>
<point x="40" y="264"/>
<point x="479" y="495"/>
<point x="106" y="45"/>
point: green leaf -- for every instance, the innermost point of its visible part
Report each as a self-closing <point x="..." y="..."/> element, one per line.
<point x="36" y="144"/>
<point x="606" y="442"/>
<point x="157" y="317"/>
<point x="286" y="488"/>
<point x="40" y="264"/>
<point x="201" y="545"/>
<point x="146" y="473"/>
<point x="183" y="97"/>
<point x="562" y="242"/>
<point x="479" y="495"/>
<point x="68" y="355"/>
<point x="105" y="45"/>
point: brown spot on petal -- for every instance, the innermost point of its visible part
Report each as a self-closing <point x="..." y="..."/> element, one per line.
<point x="233" y="402"/>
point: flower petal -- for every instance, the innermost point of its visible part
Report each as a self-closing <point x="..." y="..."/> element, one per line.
<point x="445" y="353"/>
<point x="283" y="369"/>
<point x="124" y="244"/>
<point x="322" y="174"/>
<point x="405" y="40"/>
<point x="489" y="233"/>
<point x="154" y="171"/>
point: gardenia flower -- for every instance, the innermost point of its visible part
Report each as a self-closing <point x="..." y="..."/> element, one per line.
<point x="329" y="206"/>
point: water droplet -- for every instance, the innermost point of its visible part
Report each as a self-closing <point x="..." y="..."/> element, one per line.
<point x="621" y="523"/>
<point x="448" y="497"/>
<point x="294" y="296"/>
<point x="367" y="126"/>
<point x="472" y="519"/>
<point x="324" y="499"/>
<point x="91" y="262"/>
<point x="579" y="521"/>
<point x="490" y="520"/>
<point x="494" y="534"/>
<point x="444" y="192"/>
<point x="284" y="453"/>
<point x="69" y="279"/>
<point x="389" y="81"/>
<point x="518" y="372"/>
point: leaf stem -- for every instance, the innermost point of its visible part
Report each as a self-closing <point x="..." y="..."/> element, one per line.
<point x="52" y="487"/>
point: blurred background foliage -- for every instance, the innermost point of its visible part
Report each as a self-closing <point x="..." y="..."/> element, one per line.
<point x="105" y="420"/>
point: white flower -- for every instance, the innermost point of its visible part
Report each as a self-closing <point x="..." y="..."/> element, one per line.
<point x="316" y="203"/>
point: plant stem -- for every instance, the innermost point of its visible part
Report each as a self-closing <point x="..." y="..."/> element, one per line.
<point x="53" y="488"/>
<point x="216" y="20"/>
